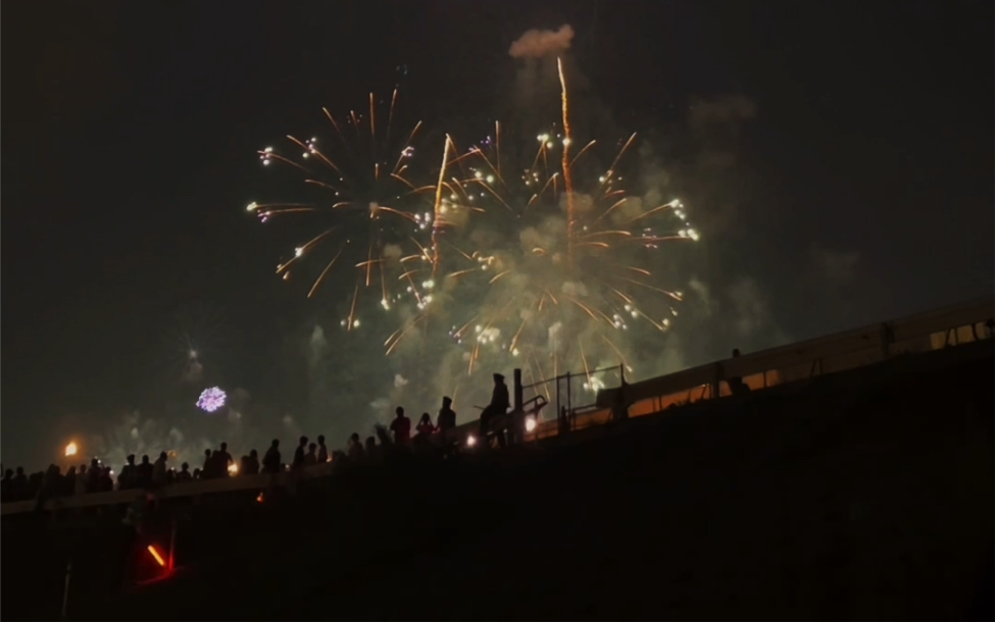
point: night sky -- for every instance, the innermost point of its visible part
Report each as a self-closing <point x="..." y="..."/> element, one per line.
<point x="130" y="132"/>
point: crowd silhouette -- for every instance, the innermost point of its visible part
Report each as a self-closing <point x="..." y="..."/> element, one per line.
<point x="219" y="463"/>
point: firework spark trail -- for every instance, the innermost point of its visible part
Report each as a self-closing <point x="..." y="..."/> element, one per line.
<point x="437" y="221"/>
<point x="567" y="176"/>
<point x="377" y="209"/>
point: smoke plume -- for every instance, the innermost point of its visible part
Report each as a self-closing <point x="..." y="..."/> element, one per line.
<point x="537" y="43"/>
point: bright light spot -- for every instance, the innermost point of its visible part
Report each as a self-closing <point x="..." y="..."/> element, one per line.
<point x="268" y="150"/>
<point x="471" y="441"/>
<point x="306" y="154"/>
<point x="251" y="206"/>
<point x="233" y="469"/>
<point x="355" y="323"/>
<point x="490" y="179"/>
<point x="530" y="424"/>
<point x="693" y="235"/>
<point x="298" y="251"/>
<point x="566" y="142"/>
<point x="71" y="449"/>
<point x="549" y="145"/>
<point x="515" y="352"/>
<point x="265" y="162"/>
<point x="260" y="498"/>
<point x="478" y="175"/>
<point x="155" y="554"/>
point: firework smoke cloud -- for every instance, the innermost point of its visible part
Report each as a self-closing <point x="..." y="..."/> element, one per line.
<point x="541" y="43"/>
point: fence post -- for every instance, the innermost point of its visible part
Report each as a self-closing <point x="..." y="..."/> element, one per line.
<point x="570" y="408"/>
<point x="65" y="590"/>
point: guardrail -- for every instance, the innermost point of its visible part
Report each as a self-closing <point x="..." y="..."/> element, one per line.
<point x="934" y="330"/>
<point x="798" y="361"/>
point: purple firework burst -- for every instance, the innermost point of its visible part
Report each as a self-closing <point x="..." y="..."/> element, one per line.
<point x="211" y="399"/>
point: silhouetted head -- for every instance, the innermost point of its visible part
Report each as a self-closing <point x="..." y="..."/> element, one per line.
<point x="145" y="459"/>
<point x="207" y="452"/>
<point x="303" y="441"/>
<point x="224" y="446"/>
<point x="20" y="470"/>
<point x="94" y="463"/>
<point x="354" y="438"/>
<point x="371" y="441"/>
<point x="253" y="454"/>
<point x="312" y="447"/>
<point x="215" y="454"/>
<point x="321" y="440"/>
<point x="399" y="411"/>
<point x="735" y="353"/>
<point x="131" y="459"/>
<point x="447" y="402"/>
<point x="426" y="418"/>
<point x="9" y="473"/>
<point x="498" y="379"/>
<point x="162" y="455"/>
<point x="82" y="468"/>
<point x="184" y="467"/>
<point x="275" y="443"/>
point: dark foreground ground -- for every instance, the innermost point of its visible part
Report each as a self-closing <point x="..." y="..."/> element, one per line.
<point x="864" y="495"/>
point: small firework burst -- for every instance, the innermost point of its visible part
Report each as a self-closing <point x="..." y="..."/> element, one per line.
<point x="211" y="399"/>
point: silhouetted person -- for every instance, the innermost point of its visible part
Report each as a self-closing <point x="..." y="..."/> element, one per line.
<point x="447" y="416"/>
<point x="250" y="466"/>
<point x="81" y="480"/>
<point x="311" y="457"/>
<point x="271" y="461"/>
<point x="355" y="448"/>
<point x="93" y="476"/>
<point x="736" y="384"/>
<point x="425" y="426"/>
<point x="322" y="450"/>
<point x="401" y="427"/>
<point x="226" y="457"/>
<point x="216" y="465"/>
<point x="7" y="486"/>
<point x="299" y="453"/>
<point x="159" y="470"/>
<point x="500" y="402"/>
<point x="184" y="475"/>
<point x="69" y="483"/>
<point x="205" y="470"/>
<point x="145" y="470"/>
<point x="19" y="485"/>
<point x="106" y="481"/>
<point x="372" y="451"/>
<point x="128" y="476"/>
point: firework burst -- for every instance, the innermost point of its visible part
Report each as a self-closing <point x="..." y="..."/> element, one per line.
<point x="371" y="218"/>
<point x="556" y="263"/>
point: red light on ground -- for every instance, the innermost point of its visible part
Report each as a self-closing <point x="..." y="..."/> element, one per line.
<point x="157" y="556"/>
<point x="260" y="498"/>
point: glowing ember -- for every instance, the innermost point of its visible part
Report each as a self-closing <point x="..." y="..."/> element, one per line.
<point x="71" y="449"/>
<point x="211" y="399"/>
